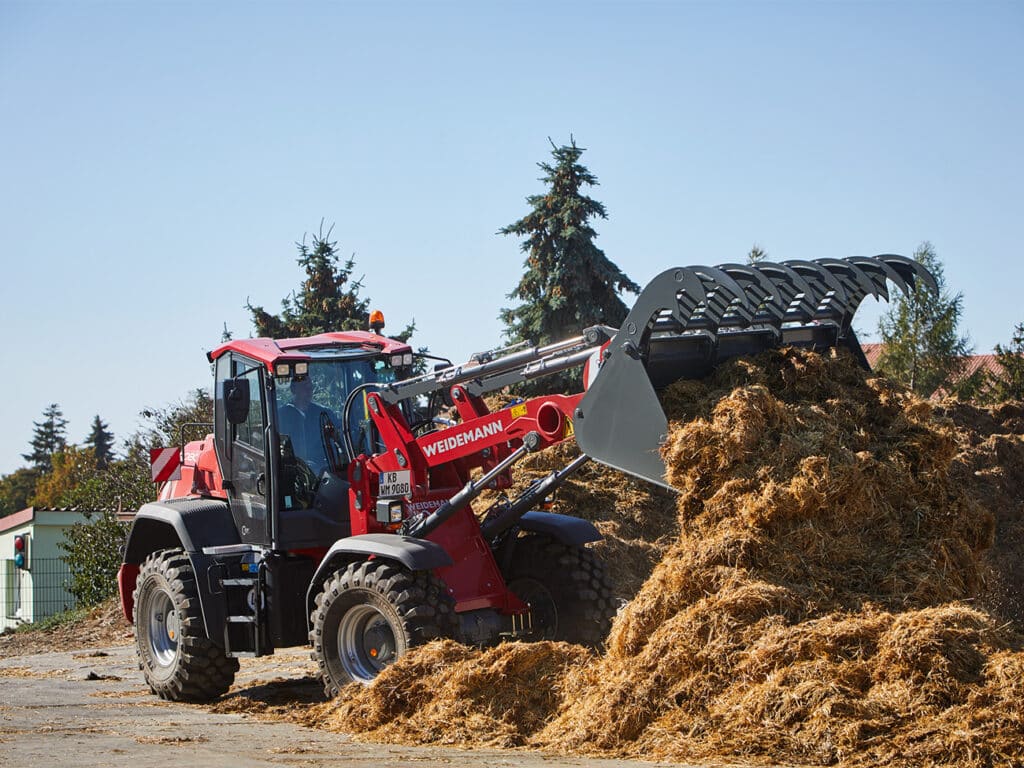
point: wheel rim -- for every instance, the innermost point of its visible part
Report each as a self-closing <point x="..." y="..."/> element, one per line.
<point x="366" y="642"/>
<point x="543" y="612"/>
<point x="164" y="627"/>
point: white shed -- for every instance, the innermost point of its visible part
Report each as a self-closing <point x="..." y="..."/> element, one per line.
<point x="40" y="589"/>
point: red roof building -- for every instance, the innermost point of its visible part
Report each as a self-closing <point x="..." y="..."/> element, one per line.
<point x="974" y="364"/>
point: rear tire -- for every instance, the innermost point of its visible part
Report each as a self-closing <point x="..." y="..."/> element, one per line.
<point x="568" y="591"/>
<point x="177" y="659"/>
<point x="369" y="614"/>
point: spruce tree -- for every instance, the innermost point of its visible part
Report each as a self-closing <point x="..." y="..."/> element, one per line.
<point x="922" y="346"/>
<point x="101" y="440"/>
<point x="328" y="299"/>
<point x="568" y="284"/>
<point x="47" y="438"/>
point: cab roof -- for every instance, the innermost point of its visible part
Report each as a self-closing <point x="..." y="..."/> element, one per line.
<point x="271" y="351"/>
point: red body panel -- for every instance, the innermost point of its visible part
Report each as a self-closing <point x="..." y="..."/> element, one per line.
<point x="200" y="473"/>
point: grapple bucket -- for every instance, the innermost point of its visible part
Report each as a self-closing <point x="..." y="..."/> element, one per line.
<point x="688" y="320"/>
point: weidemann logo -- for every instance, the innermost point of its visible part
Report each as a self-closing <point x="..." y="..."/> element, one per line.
<point x="446" y="444"/>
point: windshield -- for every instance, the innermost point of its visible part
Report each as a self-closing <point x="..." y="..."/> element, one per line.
<point x="307" y="404"/>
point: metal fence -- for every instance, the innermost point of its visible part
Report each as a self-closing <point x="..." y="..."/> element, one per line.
<point x="37" y="592"/>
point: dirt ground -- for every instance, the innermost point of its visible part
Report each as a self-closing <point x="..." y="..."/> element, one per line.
<point x="88" y="706"/>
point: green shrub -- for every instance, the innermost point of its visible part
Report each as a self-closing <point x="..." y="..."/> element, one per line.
<point x="93" y="554"/>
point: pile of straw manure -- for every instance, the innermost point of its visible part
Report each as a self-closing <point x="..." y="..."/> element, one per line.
<point x="818" y="603"/>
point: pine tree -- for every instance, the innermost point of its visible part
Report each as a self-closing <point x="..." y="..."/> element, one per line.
<point x="1009" y="383"/>
<point x="569" y="284"/>
<point x="48" y="438"/>
<point x="101" y="440"/>
<point x="922" y="346"/>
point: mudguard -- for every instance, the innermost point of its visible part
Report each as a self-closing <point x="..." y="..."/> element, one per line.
<point x="571" y="531"/>
<point x="187" y="523"/>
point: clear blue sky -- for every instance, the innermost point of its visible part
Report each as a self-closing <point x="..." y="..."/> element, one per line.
<point x="159" y="160"/>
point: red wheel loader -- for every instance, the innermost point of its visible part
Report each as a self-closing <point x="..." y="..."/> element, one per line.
<point x="333" y="502"/>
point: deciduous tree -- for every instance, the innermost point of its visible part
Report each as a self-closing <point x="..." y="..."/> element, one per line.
<point x="70" y="467"/>
<point x="923" y="346"/>
<point x="1008" y="384"/>
<point x="191" y="418"/>
<point x="92" y="551"/>
<point x="16" y="489"/>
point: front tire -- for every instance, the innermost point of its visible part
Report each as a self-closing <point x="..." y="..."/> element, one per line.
<point x="369" y="614"/>
<point x="567" y="589"/>
<point x="177" y="659"/>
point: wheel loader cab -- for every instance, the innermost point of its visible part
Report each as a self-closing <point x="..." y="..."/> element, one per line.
<point x="279" y="438"/>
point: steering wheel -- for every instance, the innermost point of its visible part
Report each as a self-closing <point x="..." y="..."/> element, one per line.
<point x="333" y="450"/>
<point x="304" y="480"/>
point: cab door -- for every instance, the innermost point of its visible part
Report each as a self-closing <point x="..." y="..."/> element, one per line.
<point x="248" y="473"/>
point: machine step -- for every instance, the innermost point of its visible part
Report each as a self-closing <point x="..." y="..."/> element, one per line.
<point x="247" y="581"/>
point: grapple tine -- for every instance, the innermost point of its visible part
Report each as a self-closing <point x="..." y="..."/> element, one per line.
<point x="762" y="297"/>
<point x="723" y="295"/>
<point x="911" y="270"/>
<point x="792" y="290"/>
<point x="830" y="294"/>
<point x="856" y="282"/>
<point x="880" y="274"/>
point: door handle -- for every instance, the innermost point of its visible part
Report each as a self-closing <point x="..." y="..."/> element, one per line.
<point x="261" y="484"/>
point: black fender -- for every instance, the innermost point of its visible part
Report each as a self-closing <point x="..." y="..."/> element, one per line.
<point x="414" y="554"/>
<point x="190" y="524"/>
<point x="187" y="523"/>
<point x="565" y="529"/>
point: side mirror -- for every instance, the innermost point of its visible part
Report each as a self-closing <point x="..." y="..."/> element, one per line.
<point x="236" y="400"/>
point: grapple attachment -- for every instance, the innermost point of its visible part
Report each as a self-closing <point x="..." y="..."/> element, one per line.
<point x="688" y="320"/>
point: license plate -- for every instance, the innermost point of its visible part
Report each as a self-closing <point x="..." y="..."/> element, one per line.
<point x="395" y="483"/>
